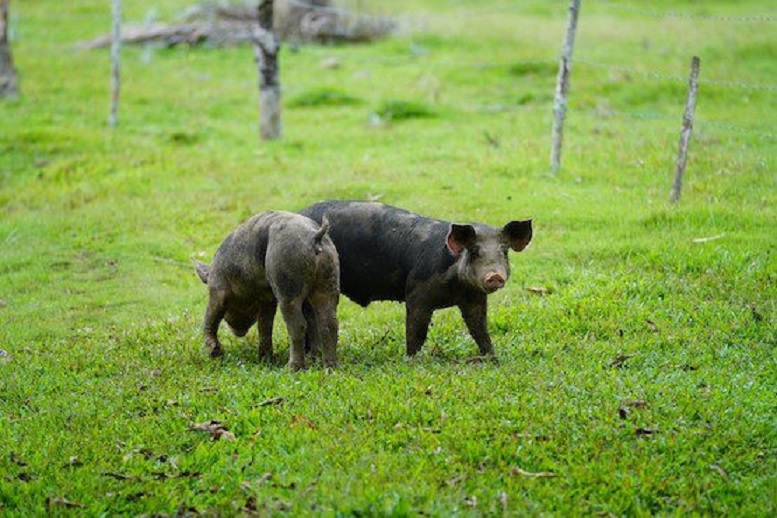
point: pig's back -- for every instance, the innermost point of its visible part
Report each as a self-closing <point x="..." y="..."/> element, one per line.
<point x="382" y="248"/>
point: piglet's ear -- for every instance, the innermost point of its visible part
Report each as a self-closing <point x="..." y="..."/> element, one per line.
<point x="460" y="237"/>
<point x="518" y="234"/>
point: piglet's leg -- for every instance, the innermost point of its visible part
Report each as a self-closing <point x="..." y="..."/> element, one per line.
<point x="312" y="338"/>
<point x="417" y="320"/>
<point x="474" y="314"/>
<point x="325" y="306"/>
<point x="265" y="318"/>
<point x="213" y="316"/>
<point x="296" y="326"/>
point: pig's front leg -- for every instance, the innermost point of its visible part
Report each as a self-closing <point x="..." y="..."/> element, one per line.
<point x="418" y="316"/>
<point x="213" y="316"/>
<point x="474" y="314"/>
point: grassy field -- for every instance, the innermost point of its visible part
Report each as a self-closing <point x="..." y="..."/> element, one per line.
<point x="636" y="339"/>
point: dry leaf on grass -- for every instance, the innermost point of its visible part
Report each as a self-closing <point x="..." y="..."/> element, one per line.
<point x="708" y="239"/>
<point x="273" y="401"/>
<point x="523" y="473"/>
<point x="301" y="420"/>
<point x="215" y="428"/>
<point x="620" y="360"/>
<point x="717" y="467"/>
<point x="652" y="325"/>
<point x="118" y="476"/>
<point x="453" y="481"/>
<point x="533" y="436"/>
<point x="60" y="501"/>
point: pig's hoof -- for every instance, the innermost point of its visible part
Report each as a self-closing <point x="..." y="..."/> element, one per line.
<point x="486" y="358"/>
<point x="296" y="366"/>
<point x="216" y="352"/>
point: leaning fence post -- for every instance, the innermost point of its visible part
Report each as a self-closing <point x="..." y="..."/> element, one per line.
<point x="266" y="47"/>
<point x="562" y="86"/>
<point x="113" y="115"/>
<point x="685" y="135"/>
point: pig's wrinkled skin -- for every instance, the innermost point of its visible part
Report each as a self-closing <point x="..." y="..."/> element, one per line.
<point x="388" y="253"/>
<point x="275" y="259"/>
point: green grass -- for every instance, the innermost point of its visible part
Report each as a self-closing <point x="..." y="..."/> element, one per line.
<point x="633" y="325"/>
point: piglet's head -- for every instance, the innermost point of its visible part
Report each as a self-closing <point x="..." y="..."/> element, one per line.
<point x="481" y="252"/>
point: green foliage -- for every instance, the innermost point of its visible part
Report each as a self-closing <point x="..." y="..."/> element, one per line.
<point x="636" y="339"/>
<point x="398" y="110"/>
<point x="323" y="97"/>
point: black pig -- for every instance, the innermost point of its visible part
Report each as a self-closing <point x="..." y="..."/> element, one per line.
<point x="388" y="253"/>
<point x="275" y="258"/>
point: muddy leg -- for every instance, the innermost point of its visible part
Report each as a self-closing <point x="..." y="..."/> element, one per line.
<point x="474" y="315"/>
<point x="312" y="334"/>
<point x="417" y="320"/>
<point x="265" y="319"/>
<point x="296" y="326"/>
<point x="213" y="316"/>
<point x="326" y="317"/>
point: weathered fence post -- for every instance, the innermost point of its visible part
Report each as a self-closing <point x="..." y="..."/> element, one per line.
<point x="9" y="86"/>
<point x="113" y="115"/>
<point x="562" y="86"/>
<point x="266" y="47"/>
<point x="685" y="135"/>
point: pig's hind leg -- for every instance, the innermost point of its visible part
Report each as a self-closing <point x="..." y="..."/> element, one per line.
<point x="312" y="336"/>
<point x="325" y="307"/>
<point x="296" y="326"/>
<point x="264" y="318"/>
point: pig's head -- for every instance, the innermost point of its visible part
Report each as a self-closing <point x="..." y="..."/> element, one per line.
<point x="481" y="252"/>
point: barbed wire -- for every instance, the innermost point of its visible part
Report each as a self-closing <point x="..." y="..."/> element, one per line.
<point x="767" y="18"/>
<point x="671" y="77"/>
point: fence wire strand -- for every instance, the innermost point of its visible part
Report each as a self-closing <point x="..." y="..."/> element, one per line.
<point x="753" y="18"/>
<point x="671" y="77"/>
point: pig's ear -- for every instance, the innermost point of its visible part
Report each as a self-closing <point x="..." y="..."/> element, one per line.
<point x="518" y="234"/>
<point x="460" y="237"/>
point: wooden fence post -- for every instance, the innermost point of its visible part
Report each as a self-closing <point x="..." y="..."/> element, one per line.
<point x="266" y="47"/>
<point x="9" y="86"/>
<point x="113" y="115"/>
<point x="685" y="134"/>
<point x="562" y="86"/>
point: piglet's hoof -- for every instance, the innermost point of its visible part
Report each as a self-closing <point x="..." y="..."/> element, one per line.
<point x="216" y="352"/>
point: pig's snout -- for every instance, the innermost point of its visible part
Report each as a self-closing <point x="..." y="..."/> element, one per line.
<point x="493" y="281"/>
